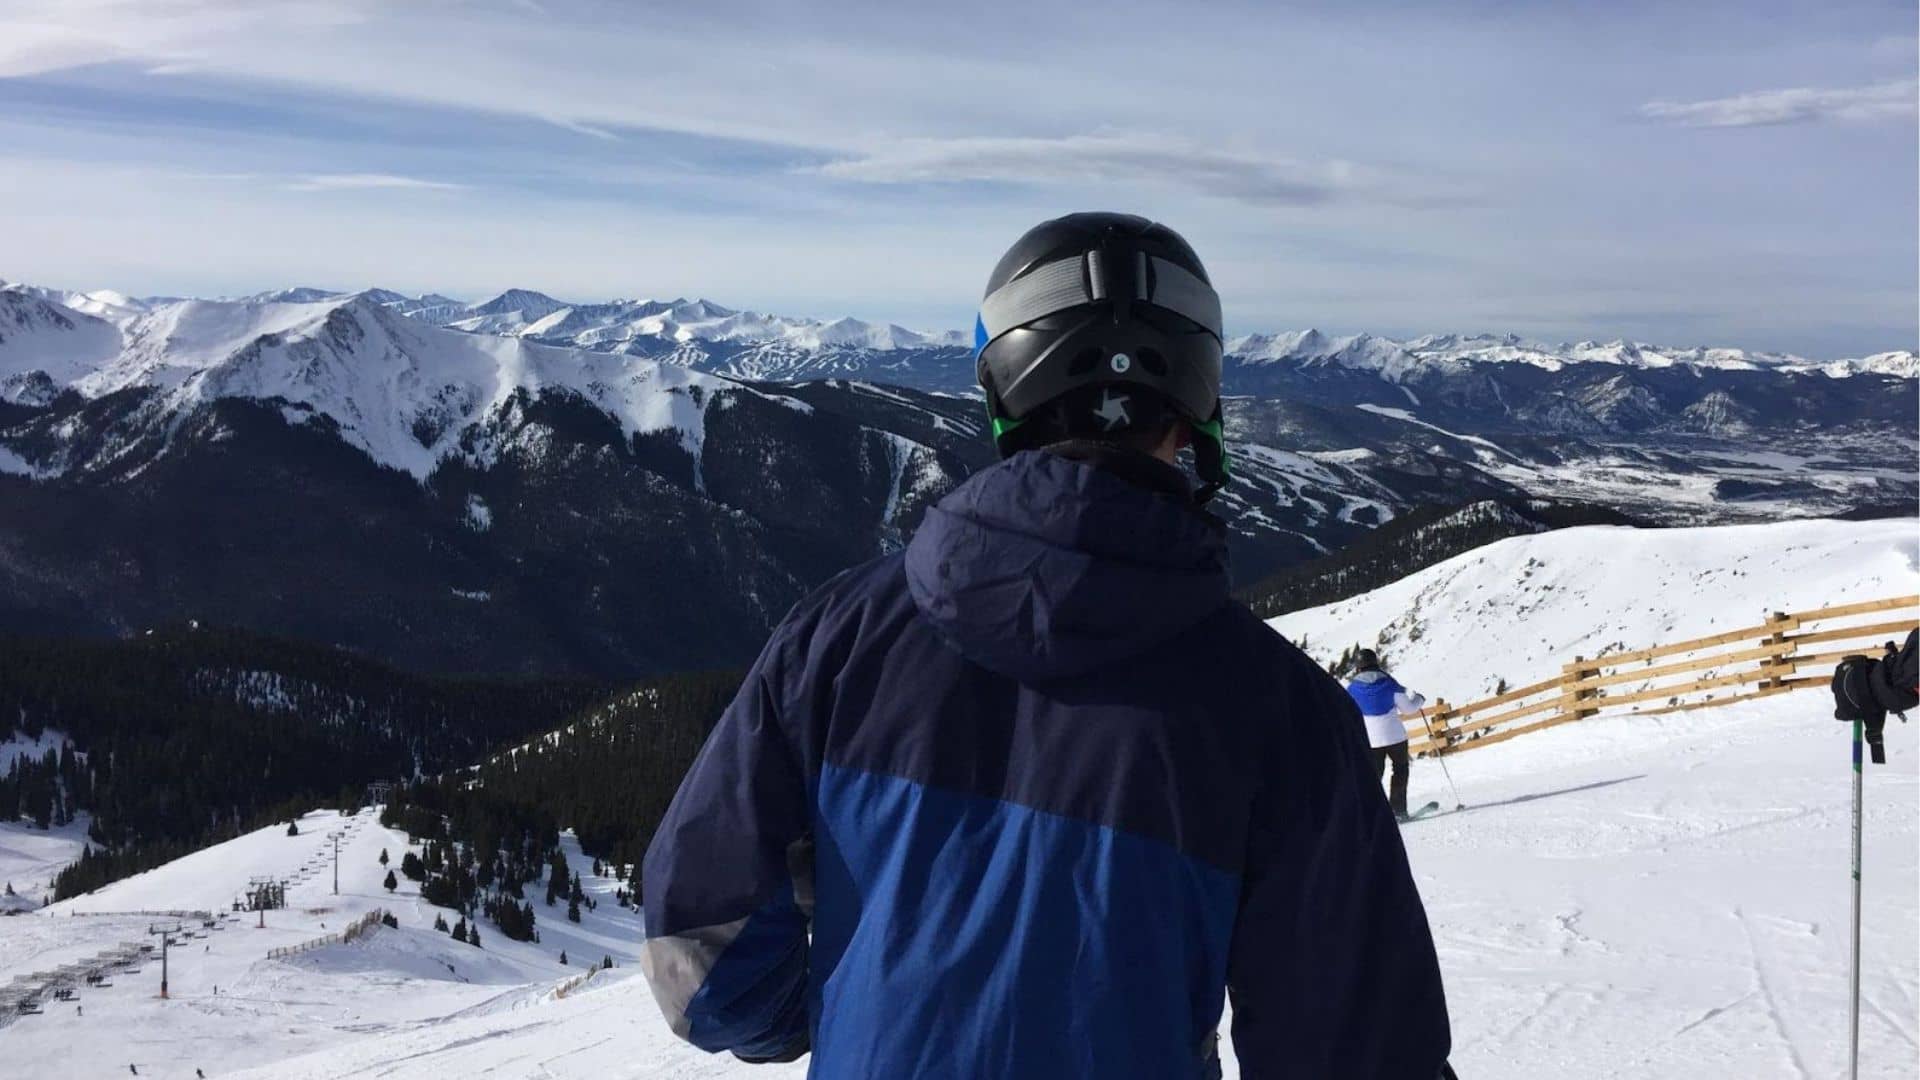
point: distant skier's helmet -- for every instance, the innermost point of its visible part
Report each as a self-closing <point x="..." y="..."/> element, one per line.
<point x="1366" y="660"/>
<point x="1109" y="301"/>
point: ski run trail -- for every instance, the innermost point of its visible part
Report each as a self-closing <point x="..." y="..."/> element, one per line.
<point x="1623" y="897"/>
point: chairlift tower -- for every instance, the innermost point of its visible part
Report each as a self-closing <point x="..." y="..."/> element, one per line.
<point x="335" y="837"/>
<point x="165" y="934"/>
<point x="265" y="891"/>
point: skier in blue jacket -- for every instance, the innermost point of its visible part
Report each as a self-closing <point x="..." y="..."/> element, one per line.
<point x="1384" y="706"/>
<point x="1032" y="797"/>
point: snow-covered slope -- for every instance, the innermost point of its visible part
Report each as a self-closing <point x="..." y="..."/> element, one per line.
<point x="1519" y="608"/>
<point x="30" y="857"/>
<point x="405" y="392"/>
<point x="45" y="346"/>
<point x="232" y="1008"/>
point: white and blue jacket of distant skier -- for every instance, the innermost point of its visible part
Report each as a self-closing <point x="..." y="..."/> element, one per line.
<point x="1384" y="705"/>
<point x="1028" y="800"/>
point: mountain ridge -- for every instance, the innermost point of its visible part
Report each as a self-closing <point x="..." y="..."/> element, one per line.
<point x="527" y="312"/>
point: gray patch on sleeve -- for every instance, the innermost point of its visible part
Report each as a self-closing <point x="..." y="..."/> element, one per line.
<point x="677" y="966"/>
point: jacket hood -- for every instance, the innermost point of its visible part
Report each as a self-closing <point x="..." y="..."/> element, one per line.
<point x="1045" y="567"/>
<point x="1371" y="675"/>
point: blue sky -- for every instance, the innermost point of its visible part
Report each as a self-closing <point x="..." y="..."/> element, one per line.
<point x="1692" y="173"/>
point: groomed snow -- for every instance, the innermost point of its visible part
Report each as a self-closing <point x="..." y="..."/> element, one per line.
<point x="267" y="1010"/>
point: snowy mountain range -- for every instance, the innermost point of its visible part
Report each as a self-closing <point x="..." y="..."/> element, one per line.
<point x="668" y="327"/>
<point x="475" y="469"/>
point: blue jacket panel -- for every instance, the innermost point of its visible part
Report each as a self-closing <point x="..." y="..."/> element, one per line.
<point x="1374" y="691"/>
<point x="1043" y="796"/>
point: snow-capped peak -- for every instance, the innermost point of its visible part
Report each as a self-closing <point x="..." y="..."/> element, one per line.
<point x="621" y="324"/>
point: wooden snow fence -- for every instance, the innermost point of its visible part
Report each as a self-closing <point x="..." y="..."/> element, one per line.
<point x="355" y="929"/>
<point x="1787" y="652"/>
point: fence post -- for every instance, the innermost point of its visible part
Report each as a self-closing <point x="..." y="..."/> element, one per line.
<point x="1440" y="727"/>
<point x="1577" y="673"/>
<point x="1778" y="623"/>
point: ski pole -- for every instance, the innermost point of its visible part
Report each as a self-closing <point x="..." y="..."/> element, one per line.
<point x="1440" y="755"/>
<point x="1853" y="967"/>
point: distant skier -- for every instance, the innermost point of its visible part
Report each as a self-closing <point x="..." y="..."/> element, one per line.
<point x="1383" y="704"/>
<point x="1867" y="689"/>
<point x="1029" y="798"/>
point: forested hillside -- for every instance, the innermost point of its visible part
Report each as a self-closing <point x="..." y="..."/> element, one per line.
<point x="608" y="776"/>
<point x="187" y="735"/>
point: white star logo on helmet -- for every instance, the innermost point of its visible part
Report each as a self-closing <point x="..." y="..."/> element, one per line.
<point x="1113" y="410"/>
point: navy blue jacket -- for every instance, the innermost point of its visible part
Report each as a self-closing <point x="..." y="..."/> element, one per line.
<point x="1026" y="801"/>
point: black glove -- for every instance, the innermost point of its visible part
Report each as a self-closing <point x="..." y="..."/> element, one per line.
<point x="1865" y="688"/>
<point x="1853" y="700"/>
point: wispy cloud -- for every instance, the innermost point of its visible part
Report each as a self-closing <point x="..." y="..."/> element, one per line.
<point x="880" y="156"/>
<point x="1881" y="101"/>
<point x="366" y="181"/>
<point x="1111" y="158"/>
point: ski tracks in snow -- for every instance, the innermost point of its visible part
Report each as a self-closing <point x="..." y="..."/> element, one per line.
<point x="1764" y="984"/>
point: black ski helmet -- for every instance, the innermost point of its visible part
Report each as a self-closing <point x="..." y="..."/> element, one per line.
<point x="1101" y="300"/>
<point x="1366" y="660"/>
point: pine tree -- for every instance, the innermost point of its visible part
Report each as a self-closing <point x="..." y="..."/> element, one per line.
<point x="411" y="866"/>
<point x="607" y="962"/>
<point x="473" y="935"/>
<point x="596" y="867"/>
<point x="390" y="883"/>
<point x="573" y="909"/>
<point x="439" y="922"/>
<point x="460" y="929"/>
<point x="383" y="856"/>
<point x="293" y="828"/>
<point x="563" y="956"/>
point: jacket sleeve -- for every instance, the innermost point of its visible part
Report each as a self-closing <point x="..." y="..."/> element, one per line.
<point x="1332" y="970"/>
<point x="726" y="950"/>
<point x="1405" y="701"/>
<point x="1894" y="679"/>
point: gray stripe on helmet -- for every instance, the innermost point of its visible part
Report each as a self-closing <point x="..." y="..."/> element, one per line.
<point x="1179" y="290"/>
<point x="676" y="966"/>
<point x="1052" y="287"/>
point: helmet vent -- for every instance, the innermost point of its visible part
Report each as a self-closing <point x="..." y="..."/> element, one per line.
<point x="1153" y="361"/>
<point x="1085" y="361"/>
